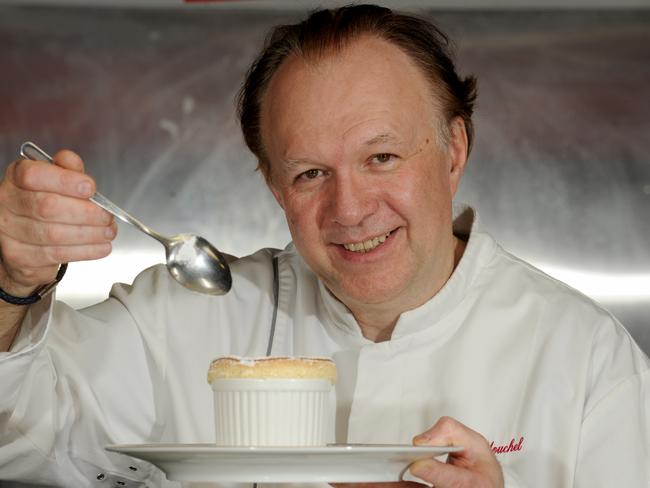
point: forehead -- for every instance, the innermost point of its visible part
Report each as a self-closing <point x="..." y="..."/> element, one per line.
<point x="369" y="83"/>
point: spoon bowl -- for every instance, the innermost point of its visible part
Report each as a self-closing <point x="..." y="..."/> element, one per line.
<point x="198" y="265"/>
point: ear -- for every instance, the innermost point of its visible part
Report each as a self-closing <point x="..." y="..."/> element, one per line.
<point x="458" y="147"/>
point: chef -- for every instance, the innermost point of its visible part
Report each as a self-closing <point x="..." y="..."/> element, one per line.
<point x="362" y="129"/>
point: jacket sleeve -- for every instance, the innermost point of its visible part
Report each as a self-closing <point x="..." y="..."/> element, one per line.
<point x="62" y="398"/>
<point x="129" y="370"/>
<point x="615" y="439"/>
<point x="615" y="436"/>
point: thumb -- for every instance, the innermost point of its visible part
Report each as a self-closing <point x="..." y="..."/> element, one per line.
<point x="69" y="160"/>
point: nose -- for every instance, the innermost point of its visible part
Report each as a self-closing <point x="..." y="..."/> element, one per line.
<point x="351" y="199"/>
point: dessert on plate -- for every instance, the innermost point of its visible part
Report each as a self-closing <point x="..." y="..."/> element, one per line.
<point x="272" y="401"/>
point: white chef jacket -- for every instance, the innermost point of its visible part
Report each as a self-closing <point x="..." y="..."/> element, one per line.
<point x="553" y="381"/>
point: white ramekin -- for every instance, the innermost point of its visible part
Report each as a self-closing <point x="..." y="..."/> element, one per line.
<point x="272" y="412"/>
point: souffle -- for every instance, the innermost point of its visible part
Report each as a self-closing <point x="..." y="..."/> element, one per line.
<point x="272" y="367"/>
<point x="273" y="401"/>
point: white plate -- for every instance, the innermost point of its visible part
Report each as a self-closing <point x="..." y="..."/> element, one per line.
<point x="333" y="463"/>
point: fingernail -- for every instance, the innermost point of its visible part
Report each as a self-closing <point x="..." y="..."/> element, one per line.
<point x="109" y="233"/>
<point x="84" y="188"/>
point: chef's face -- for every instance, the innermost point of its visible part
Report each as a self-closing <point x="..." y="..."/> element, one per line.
<point x="357" y="164"/>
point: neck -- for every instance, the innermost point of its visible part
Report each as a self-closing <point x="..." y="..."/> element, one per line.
<point x="377" y="321"/>
<point x="377" y="327"/>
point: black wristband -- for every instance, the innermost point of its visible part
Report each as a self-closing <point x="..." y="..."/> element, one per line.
<point x="38" y="294"/>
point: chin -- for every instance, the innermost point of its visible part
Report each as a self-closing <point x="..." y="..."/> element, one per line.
<point x="367" y="293"/>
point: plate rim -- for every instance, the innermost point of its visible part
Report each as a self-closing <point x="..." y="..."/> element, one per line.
<point x="209" y="462"/>
<point x="336" y="448"/>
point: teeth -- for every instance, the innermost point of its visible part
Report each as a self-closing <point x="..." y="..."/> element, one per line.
<point x="368" y="245"/>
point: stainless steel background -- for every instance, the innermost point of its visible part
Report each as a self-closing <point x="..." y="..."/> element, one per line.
<point x="560" y="172"/>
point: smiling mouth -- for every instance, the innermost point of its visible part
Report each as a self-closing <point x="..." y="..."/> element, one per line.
<point x="367" y="245"/>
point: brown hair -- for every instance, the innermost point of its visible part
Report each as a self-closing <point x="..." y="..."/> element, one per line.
<point x="326" y="31"/>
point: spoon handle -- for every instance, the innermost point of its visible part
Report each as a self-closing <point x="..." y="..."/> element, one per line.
<point x="98" y="199"/>
<point x="110" y="207"/>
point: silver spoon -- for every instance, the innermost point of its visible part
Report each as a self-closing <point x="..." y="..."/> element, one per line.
<point x="191" y="260"/>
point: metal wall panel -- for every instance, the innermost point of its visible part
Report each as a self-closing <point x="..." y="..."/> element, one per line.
<point x="560" y="172"/>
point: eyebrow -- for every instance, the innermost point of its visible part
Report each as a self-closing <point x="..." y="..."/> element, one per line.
<point x="381" y="138"/>
<point x="292" y="163"/>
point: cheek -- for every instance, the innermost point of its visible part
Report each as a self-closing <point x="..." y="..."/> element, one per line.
<point x="423" y="196"/>
<point x="418" y="187"/>
<point x="301" y="216"/>
<point x="435" y="177"/>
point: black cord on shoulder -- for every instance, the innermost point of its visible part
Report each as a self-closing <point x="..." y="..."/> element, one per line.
<point x="276" y="299"/>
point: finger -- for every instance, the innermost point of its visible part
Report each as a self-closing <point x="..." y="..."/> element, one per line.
<point x="17" y="256"/>
<point x="440" y="474"/>
<point x="448" y="431"/>
<point x="46" y="177"/>
<point x="51" y="207"/>
<point x="29" y="231"/>
<point x="69" y="160"/>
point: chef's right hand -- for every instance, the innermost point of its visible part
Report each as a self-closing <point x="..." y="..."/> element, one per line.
<point x="46" y="219"/>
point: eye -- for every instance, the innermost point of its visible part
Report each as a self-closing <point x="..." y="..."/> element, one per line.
<point x="383" y="157"/>
<point x="310" y="174"/>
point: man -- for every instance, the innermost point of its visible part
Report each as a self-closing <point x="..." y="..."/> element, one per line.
<point x="362" y="129"/>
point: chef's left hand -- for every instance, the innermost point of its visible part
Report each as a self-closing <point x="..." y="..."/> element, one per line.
<point x="475" y="466"/>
